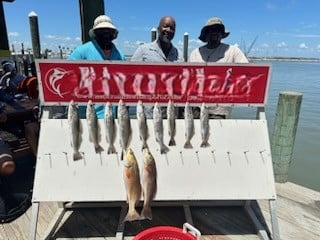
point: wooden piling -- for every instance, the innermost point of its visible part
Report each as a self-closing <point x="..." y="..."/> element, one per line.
<point x="153" y="34"/>
<point x="284" y="133"/>
<point x="34" y="30"/>
<point x="89" y="10"/>
<point x="185" y="46"/>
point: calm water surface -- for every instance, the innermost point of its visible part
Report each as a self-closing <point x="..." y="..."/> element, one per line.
<point x="302" y="77"/>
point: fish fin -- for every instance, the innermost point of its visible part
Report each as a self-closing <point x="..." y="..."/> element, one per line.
<point x="164" y="149"/>
<point x="98" y="149"/>
<point x="188" y="145"/>
<point x="205" y="144"/>
<point x="146" y="213"/>
<point x="111" y="149"/>
<point x="172" y="142"/>
<point x="132" y="215"/>
<point x="76" y="156"/>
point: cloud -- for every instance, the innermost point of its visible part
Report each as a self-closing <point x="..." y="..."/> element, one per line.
<point x="270" y="6"/>
<point x="13" y="34"/>
<point x="50" y="37"/>
<point x="303" y="46"/>
<point x="281" y="45"/>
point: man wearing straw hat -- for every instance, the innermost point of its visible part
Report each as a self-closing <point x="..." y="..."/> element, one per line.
<point x="215" y="51"/>
<point x="100" y="47"/>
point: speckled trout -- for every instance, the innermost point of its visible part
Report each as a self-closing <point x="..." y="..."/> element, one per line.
<point x="189" y="125"/>
<point x="158" y="128"/>
<point x="124" y="127"/>
<point x="110" y="128"/>
<point x="142" y="124"/>
<point x="171" y="118"/>
<point x="204" y="123"/>
<point x="93" y="127"/>
<point x="75" y="128"/>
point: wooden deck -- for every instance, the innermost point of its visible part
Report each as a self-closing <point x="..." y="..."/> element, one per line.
<point x="298" y="211"/>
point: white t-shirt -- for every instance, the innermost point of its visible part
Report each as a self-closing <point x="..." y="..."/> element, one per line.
<point x="224" y="53"/>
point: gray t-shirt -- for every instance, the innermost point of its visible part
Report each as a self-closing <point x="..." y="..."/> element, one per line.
<point x="151" y="52"/>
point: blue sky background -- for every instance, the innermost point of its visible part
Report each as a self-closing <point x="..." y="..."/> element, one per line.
<point x="289" y="28"/>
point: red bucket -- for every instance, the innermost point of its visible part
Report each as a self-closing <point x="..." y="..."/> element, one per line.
<point x="169" y="233"/>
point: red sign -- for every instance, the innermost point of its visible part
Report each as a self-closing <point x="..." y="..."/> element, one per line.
<point x="62" y="81"/>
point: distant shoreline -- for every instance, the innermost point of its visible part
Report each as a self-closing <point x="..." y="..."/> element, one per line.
<point x="288" y="59"/>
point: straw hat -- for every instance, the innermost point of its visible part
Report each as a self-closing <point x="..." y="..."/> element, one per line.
<point x="103" y="21"/>
<point x="211" y="22"/>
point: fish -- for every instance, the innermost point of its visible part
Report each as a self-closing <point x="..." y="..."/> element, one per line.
<point x="131" y="177"/>
<point x="110" y="128"/>
<point x="158" y="128"/>
<point x="204" y="123"/>
<point x="75" y="128"/>
<point x="189" y="125"/>
<point x="93" y="127"/>
<point x="142" y="124"/>
<point x="124" y="126"/>
<point x="149" y="183"/>
<point x="171" y="118"/>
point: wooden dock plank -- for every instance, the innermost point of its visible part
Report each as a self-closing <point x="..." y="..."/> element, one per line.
<point x="298" y="211"/>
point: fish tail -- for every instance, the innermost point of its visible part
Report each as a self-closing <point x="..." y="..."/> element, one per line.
<point x="204" y="144"/>
<point x="172" y="142"/>
<point x="188" y="145"/>
<point x="77" y="156"/>
<point x="98" y="149"/>
<point x="146" y="213"/>
<point x="111" y="149"/>
<point x="132" y="215"/>
<point x="164" y="149"/>
<point x="144" y="145"/>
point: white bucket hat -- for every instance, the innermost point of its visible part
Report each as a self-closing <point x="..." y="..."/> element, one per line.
<point x="103" y="21"/>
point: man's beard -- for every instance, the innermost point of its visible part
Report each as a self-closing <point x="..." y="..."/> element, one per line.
<point x="166" y="38"/>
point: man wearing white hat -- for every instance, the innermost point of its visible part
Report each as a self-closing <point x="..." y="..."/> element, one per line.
<point x="100" y="47"/>
<point x="216" y="51"/>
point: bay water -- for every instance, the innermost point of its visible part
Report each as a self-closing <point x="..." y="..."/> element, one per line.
<point x="302" y="77"/>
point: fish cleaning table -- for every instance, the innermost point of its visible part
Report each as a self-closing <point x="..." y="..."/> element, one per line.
<point x="236" y="167"/>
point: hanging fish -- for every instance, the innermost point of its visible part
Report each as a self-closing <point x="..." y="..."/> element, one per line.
<point x="149" y="183"/>
<point x="171" y="118"/>
<point x="124" y="126"/>
<point x="132" y="184"/>
<point x="204" y="123"/>
<point x="75" y="128"/>
<point x="158" y="128"/>
<point x="189" y="125"/>
<point x="110" y="128"/>
<point x="93" y="127"/>
<point x="142" y="124"/>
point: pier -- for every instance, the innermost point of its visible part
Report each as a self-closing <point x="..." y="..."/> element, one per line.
<point x="298" y="216"/>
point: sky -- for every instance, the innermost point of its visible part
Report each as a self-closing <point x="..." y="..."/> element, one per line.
<point x="261" y="28"/>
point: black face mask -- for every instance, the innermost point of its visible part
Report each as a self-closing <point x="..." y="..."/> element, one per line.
<point x="104" y="39"/>
<point x="105" y="42"/>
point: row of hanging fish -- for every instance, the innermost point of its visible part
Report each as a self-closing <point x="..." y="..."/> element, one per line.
<point x="124" y="130"/>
